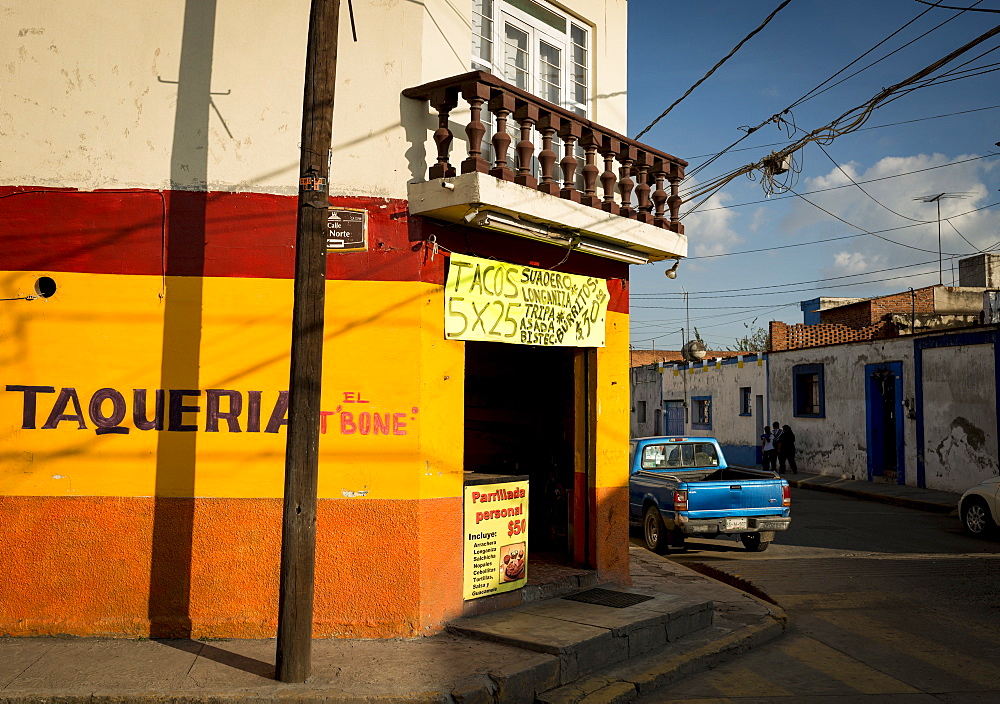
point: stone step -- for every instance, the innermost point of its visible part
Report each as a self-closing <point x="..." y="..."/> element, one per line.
<point x="587" y="637"/>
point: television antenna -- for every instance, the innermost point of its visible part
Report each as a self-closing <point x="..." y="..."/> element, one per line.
<point x="937" y="198"/>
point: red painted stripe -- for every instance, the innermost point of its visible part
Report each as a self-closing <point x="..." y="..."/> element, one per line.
<point x="247" y="235"/>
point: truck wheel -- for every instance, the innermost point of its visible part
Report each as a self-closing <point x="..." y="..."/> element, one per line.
<point x="654" y="532"/>
<point x="976" y="517"/>
<point x="753" y="543"/>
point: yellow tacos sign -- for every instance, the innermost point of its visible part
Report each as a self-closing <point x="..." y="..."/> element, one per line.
<point x="493" y="301"/>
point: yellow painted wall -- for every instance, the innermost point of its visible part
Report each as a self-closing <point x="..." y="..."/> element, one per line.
<point x="103" y="331"/>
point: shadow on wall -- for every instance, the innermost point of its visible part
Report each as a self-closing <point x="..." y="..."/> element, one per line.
<point x="173" y="516"/>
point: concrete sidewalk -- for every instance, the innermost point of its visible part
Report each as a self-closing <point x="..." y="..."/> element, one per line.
<point x="554" y="650"/>
<point x="896" y="494"/>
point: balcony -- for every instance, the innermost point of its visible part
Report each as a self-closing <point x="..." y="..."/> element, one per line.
<point x="624" y="212"/>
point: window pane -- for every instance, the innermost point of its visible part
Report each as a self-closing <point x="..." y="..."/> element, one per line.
<point x="705" y="455"/>
<point x="516" y="57"/>
<point x="541" y="13"/>
<point x="551" y="72"/>
<point x="578" y="66"/>
<point x="482" y="34"/>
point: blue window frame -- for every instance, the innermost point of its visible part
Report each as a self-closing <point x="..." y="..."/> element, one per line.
<point x="745" y="401"/>
<point x="701" y="412"/>
<point x="808" y="397"/>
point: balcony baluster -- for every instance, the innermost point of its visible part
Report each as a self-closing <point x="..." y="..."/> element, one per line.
<point x="501" y="105"/>
<point x="609" y="149"/>
<point x="548" y="125"/>
<point x="475" y="94"/>
<point x="625" y="183"/>
<point x="444" y="101"/>
<point x="659" y="195"/>
<point x="570" y="134"/>
<point x="589" y="142"/>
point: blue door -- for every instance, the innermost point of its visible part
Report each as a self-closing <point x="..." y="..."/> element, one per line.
<point x="674" y="413"/>
<point x="884" y="403"/>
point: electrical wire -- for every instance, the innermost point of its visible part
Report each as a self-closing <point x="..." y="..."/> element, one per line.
<point x="847" y="185"/>
<point x="648" y="296"/>
<point x="873" y="127"/>
<point x="952" y="7"/>
<point x="848" y="122"/>
<point x="800" y="290"/>
<point x="713" y="69"/>
<point x="894" y="51"/>
<point x="813" y="93"/>
<point x="830" y="239"/>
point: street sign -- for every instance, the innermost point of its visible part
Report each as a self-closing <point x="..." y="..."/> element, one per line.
<point x="347" y="230"/>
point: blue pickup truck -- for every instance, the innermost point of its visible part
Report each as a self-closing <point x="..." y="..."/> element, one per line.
<point x="681" y="486"/>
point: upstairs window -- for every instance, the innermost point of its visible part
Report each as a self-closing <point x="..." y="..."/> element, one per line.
<point x="535" y="47"/>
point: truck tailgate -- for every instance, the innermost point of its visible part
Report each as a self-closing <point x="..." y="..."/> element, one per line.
<point x="749" y="497"/>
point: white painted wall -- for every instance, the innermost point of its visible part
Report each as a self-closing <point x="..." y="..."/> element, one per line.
<point x="959" y="414"/>
<point x="645" y="390"/>
<point x="837" y="444"/>
<point x="91" y="99"/>
<point x="736" y="433"/>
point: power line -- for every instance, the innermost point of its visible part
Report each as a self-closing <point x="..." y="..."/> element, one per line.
<point x="855" y="118"/>
<point x="952" y="7"/>
<point x="712" y="70"/>
<point x="828" y="239"/>
<point x="807" y="96"/>
<point x="894" y="51"/>
<point x="648" y="296"/>
<point x="862" y="129"/>
<point x="847" y="185"/>
<point x="800" y="290"/>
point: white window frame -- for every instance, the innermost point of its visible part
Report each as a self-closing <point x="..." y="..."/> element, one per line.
<point x="503" y="13"/>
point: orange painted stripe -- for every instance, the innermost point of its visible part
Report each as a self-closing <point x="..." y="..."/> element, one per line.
<point x="109" y="566"/>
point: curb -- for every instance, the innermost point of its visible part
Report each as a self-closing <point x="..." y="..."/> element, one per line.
<point x="917" y="504"/>
<point x="648" y="673"/>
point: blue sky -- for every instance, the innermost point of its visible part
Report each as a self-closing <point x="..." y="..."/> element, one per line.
<point x="674" y="43"/>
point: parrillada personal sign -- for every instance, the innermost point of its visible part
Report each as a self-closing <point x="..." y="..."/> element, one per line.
<point x="494" y="301"/>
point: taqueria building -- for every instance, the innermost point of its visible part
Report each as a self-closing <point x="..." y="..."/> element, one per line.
<point x="475" y="395"/>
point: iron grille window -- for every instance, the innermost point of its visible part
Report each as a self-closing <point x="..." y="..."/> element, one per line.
<point x="744" y="400"/>
<point x="701" y="412"/>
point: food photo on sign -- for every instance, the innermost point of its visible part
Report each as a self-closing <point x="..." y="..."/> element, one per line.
<point x="512" y="561"/>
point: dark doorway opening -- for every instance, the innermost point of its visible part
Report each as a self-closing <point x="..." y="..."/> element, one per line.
<point x="885" y="432"/>
<point x="520" y="419"/>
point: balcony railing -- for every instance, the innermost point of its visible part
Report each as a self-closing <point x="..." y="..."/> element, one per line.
<point x="635" y="178"/>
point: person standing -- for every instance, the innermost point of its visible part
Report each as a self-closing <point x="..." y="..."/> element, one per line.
<point x="776" y="441"/>
<point x="786" y="451"/>
<point x="767" y="449"/>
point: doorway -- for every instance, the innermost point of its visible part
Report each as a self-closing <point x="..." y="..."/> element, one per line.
<point x="884" y="402"/>
<point x="523" y="417"/>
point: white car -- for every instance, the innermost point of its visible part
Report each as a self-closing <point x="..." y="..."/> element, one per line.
<point x="979" y="507"/>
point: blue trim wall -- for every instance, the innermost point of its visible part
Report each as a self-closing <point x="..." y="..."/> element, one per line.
<point x="923" y="343"/>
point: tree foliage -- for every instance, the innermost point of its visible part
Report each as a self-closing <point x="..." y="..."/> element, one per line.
<point x="757" y="339"/>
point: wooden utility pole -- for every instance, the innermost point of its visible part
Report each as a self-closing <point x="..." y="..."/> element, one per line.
<point x="298" y="530"/>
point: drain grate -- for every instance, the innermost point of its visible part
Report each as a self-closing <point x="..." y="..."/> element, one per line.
<point x="608" y="597"/>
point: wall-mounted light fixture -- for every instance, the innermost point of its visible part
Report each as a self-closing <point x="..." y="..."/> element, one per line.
<point x="610" y="251"/>
<point x="502" y="222"/>
<point x="672" y="271"/>
<point x="543" y="232"/>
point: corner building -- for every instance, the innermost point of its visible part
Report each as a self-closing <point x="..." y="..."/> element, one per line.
<point x="149" y="209"/>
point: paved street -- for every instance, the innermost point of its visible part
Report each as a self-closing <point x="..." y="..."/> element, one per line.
<point x="886" y="604"/>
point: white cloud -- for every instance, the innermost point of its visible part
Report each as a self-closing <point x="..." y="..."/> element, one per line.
<point x="716" y="233"/>
<point x="905" y="228"/>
